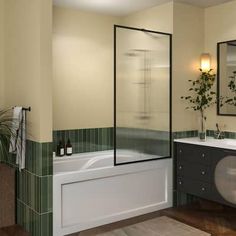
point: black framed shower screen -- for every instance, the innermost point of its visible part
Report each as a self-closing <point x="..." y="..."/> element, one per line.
<point x="142" y="95"/>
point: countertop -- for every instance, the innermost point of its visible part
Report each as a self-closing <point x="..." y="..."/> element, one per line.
<point x="210" y="142"/>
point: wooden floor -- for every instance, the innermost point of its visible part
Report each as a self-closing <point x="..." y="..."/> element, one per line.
<point x="210" y="217"/>
<point x="14" y="230"/>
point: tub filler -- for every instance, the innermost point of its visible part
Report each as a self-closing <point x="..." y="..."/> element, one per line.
<point x="89" y="191"/>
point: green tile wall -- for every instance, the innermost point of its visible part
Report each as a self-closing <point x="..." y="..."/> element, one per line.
<point x="100" y="139"/>
<point x="86" y="140"/>
<point x="36" y="224"/>
<point x="231" y="135"/>
<point x="185" y="134"/>
<point x="154" y="142"/>
<point x="194" y="133"/>
<point x="34" y="189"/>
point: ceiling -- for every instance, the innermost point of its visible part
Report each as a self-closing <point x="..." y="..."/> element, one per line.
<point x="125" y="7"/>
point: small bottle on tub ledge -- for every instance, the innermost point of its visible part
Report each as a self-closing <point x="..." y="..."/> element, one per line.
<point x="60" y="149"/>
<point x="69" y="149"/>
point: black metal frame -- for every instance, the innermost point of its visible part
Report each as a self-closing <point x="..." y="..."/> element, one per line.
<point x="170" y="91"/>
<point x="218" y="78"/>
<point x="25" y="109"/>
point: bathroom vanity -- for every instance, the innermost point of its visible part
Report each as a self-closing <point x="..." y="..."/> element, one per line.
<point x="207" y="169"/>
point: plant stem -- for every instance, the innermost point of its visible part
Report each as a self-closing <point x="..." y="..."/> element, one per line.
<point x="202" y="120"/>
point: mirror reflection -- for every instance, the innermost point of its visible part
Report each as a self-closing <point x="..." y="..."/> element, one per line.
<point x="227" y="77"/>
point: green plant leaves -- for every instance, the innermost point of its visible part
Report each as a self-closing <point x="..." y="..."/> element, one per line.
<point x="6" y="131"/>
<point x="202" y="95"/>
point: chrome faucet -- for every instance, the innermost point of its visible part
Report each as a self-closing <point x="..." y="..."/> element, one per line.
<point x="219" y="134"/>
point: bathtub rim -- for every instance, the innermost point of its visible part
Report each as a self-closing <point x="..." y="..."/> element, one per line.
<point x="107" y="153"/>
<point x="108" y="171"/>
<point x="83" y="155"/>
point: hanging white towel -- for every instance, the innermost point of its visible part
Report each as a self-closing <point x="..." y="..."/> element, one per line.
<point x="18" y="139"/>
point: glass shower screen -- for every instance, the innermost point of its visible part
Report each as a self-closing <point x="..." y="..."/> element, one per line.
<point x="142" y="95"/>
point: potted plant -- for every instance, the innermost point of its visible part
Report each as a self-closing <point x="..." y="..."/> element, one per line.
<point x="202" y="97"/>
<point x="6" y="132"/>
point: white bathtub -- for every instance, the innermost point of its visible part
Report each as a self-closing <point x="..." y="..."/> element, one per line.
<point x="88" y="191"/>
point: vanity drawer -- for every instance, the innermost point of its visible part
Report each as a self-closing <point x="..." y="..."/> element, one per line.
<point x="193" y="187"/>
<point x="193" y="171"/>
<point x="195" y="153"/>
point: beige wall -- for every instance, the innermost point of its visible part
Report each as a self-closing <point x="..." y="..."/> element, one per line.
<point x="46" y="107"/>
<point x="194" y="29"/>
<point x="82" y="69"/>
<point x="1" y="53"/>
<point x="188" y="44"/>
<point x="28" y="62"/>
<point x="131" y="92"/>
<point x="83" y="63"/>
<point x="220" y="25"/>
<point x="159" y="18"/>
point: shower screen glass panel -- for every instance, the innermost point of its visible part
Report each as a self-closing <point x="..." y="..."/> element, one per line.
<point x="142" y="95"/>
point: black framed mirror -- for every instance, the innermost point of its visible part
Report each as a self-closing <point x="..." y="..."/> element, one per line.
<point x="226" y="78"/>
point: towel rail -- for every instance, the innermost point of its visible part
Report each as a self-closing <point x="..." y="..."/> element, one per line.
<point x="25" y="108"/>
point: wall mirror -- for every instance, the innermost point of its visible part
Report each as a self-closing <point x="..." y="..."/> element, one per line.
<point x="226" y="75"/>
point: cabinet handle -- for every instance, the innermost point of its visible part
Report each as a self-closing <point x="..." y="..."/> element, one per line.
<point x="203" y="172"/>
<point x="203" y="189"/>
<point x="180" y="182"/>
<point x="203" y="155"/>
<point x="180" y="151"/>
<point x="180" y="167"/>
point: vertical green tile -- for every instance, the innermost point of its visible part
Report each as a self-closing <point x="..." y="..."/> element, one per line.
<point x="36" y="224"/>
<point x="46" y="224"/>
<point x="45" y="194"/>
<point x="84" y="140"/>
<point x="34" y="188"/>
<point x="90" y="140"/>
<point x="47" y="162"/>
<point x="81" y="142"/>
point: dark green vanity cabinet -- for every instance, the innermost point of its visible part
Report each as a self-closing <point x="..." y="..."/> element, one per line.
<point x="195" y="170"/>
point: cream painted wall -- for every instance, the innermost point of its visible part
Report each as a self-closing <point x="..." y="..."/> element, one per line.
<point x="188" y="44"/>
<point x="28" y="62"/>
<point x="46" y="107"/>
<point x="194" y="29"/>
<point x="220" y="25"/>
<point x="1" y="53"/>
<point x="82" y="69"/>
<point x="131" y="96"/>
<point x="159" y="18"/>
<point x="82" y="49"/>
